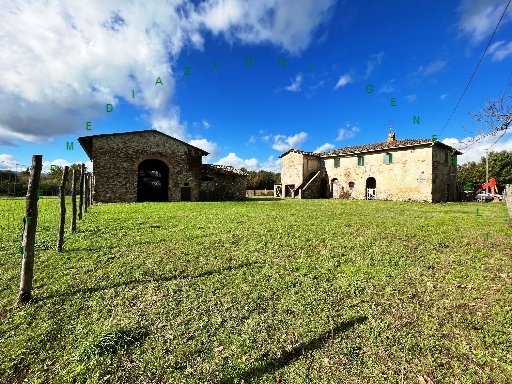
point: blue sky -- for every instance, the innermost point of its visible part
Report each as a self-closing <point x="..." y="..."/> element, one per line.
<point x="265" y="76"/>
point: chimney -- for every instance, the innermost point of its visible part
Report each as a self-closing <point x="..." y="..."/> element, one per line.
<point x="391" y="137"/>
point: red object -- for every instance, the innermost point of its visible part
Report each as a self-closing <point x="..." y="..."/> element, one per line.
<point x="492" y="183"/>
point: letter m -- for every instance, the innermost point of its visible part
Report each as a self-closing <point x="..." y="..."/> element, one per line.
<point x="69" y="145"/>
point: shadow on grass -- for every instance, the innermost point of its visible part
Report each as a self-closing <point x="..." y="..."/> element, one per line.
<point x="259" y="198"/>
<point x="142" y="281"/>
<point x="287" y="357"/>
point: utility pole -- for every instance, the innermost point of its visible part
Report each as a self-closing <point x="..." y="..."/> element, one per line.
<point x="15" y="179"/>
<point x="487" y="170"/>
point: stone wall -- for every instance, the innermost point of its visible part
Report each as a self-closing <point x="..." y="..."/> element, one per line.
<point x="292" y="169"/>
<point x="221" y="187"/>
<point x="312" y="190"/>
<point x="444" y="175"/>
<point x="116" y="159"/>
<point x="408" y="177"/>
<point x="508" y="198"/>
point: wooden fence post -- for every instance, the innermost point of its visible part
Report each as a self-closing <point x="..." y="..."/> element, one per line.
<point x="86" y="186"/>
<point x="29" y="231"/>
<point x="62" y="194"/>
<point x="91" y="188"/>
<point x="73" y="201"/>
<point x="82" y="185"/>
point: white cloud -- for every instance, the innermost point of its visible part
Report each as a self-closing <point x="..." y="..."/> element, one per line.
<point x="478" y="18"/>
<point x="203" y="123"/>
<point x="372" y="63"/>
<point x="324" y="148"/>
<point x="73" y="58"/>
<point x="347" y="132"/>
<point x="295" y="85"/>
<point x="237" y="162"/>
<point x="271" y="164"/>
<point x="288" y="24"/>
<point x="388" y="87"/>
<point x="410" y="98"/>
<point x="57" y="162"/>
<point x="208" y="146"/>
<point x="8" y="162"/>
<point x="443" y="96"/>
<point x="343" y="80"/>
<point x="477" y="150"/>
<point x="500" y="50"/>
<point x="432" y="67"/>
<point x="283" y="143"/>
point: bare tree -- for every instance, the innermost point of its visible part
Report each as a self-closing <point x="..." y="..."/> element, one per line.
<point x="496" y="115"/>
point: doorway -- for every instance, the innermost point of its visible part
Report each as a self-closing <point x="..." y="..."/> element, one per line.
<point x="152" y="181"/>
<point x="371" y="186"/>
<point x="323" y="188"/>
<point x="186" y="194"/>
<point x="335" y="190"/>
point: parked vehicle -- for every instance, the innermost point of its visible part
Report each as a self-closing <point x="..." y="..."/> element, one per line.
<point x="485" y="197"/>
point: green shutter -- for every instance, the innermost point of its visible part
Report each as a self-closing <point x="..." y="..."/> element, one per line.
<point x="336" y="163"/>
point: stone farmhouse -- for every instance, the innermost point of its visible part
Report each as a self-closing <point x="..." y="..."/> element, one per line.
<point x="152" y="166"/>
<point x="408" y="170"/>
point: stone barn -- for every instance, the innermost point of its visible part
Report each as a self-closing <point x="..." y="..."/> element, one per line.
<point x="412" y="169"/>
<point x="152" y="166"/>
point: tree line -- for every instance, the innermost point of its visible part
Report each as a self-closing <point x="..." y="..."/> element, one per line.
<point x="500" y="167"/>
<point x="262" y="179"/>
<point x="15" y="184"/>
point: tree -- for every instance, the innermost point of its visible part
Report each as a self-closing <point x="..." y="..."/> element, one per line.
<point x="500" y="168"/>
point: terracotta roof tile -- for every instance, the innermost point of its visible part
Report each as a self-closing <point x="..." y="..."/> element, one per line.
<point x="224" y="169"/>
<point x="374" y="147"/>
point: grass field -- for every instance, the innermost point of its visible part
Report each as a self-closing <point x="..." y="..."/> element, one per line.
<point x="264" y="291"/>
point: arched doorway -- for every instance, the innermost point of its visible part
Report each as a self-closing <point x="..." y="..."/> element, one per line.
<point x="152" y="181"/>
<point x="335" y="190"/>
<point x="323" y="188"/>
<point x="371" y="186"/>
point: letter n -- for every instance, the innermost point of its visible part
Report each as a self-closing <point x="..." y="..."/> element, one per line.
<point x="415" y="119"/>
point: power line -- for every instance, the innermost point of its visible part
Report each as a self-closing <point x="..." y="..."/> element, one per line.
<point x="476" y="68"/>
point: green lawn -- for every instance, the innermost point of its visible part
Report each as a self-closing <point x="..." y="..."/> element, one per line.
<point x="264" y="291"/>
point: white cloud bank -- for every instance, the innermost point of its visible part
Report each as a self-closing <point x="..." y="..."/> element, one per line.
<point x="324" y="148"/>
<point x="283" y="143"/>
<point x="62" y="61"/>
<point x="476" y="151"/>
<point x="271" y="164"/>
<point x="478" y="18"/>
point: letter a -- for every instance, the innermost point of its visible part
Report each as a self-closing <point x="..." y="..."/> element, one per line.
<point x="158" y="81"/>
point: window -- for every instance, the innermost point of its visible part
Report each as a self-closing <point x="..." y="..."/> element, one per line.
<point x="351" y="184"/>
<point x="336" y="163"/>
<point x="388" y="158"/>
<point x="360" y="160"/>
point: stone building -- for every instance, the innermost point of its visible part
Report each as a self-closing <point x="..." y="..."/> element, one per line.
<point x="152" y="166"/>
<point x="415" y="170"/>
